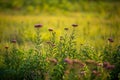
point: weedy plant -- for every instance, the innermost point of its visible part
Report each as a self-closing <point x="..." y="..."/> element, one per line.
<point x="112" y="54"/>
<point x="12" y="61"/>
<point x="57" y="59"/>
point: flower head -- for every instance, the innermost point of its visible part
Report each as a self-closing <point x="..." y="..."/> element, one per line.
<point x="91" y="62"/>
<point x="76" y="61"/>
<point x="99" y="64"/>
<point x="53" y="45"/>
<point x="66" y="29"/>
<point x="48" y="42"/>
<point x="75" y="25"/>
<point x="6" y="47"/>
<point x="82" y="73"/>
<point x="105" y="64"/>
<point x="61" y="38"/>
<point x="96" y="73"/>
<point x="108" y="66"/>
<point x="67" y="60"/>
<point x="50" y="29"/>
<point x="66" y="72"/>
<point x="38" y="25"/>
<point x="13" y="41"/>
<point x="110" y="40"/>
<point x="53" y="61"/>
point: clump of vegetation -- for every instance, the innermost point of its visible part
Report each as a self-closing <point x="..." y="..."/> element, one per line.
<point x="89" y="49"/>
<point x="58" y="6"/>
<point x="58" y="59"/>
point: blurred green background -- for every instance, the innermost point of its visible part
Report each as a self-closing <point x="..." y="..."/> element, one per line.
<point x="59" y="6"/>
<point x="98" y="21"/>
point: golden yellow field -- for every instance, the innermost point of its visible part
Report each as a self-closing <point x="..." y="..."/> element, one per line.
<point x="89" y="51"/>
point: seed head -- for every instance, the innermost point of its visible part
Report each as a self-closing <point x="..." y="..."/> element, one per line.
<point x="67" y="72"/>
<point x="38" y="25"/>
<point x="110" y="40"/>
<point x="99" y="64"/>
<point x="61" y="38"/>
<point x="96" y="73"/>
<point x="91" y="62"/>
<point x="82" y="73"/>
<point x="105" y="64"/>
<point x="53" y="61"/>
<point x="67" y="60"/>
<point x="6" y="47"/>
<point x="50" y="29"/>
<point x="48" y="42"/>
<point x="108" y="66"/>
<point x="66" y="29"/>
<point x="13" y="41"/>
<point x="76" y="61"/>
<point x="75" y="25"/>
<point x="53" y="45"/>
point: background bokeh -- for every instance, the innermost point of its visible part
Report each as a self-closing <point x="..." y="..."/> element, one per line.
<point x="98" y="22"/>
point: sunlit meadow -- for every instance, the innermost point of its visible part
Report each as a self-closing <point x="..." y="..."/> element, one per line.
<point x="74" y="46"/>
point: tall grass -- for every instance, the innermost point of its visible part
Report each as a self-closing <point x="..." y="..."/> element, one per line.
<point x="57" y="58"/>
<point x="57" y="49"/>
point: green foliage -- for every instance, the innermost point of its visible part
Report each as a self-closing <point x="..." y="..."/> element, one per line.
<point x="77" y="53"/>
<point x="52" y="6"/>
<point x="112" y="54"/>
<point x="58" y="59"/>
